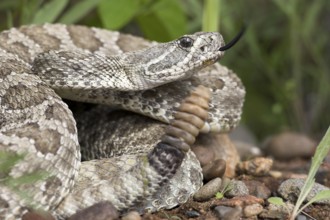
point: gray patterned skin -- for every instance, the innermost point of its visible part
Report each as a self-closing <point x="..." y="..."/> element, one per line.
<point x="35" y="121"/>
<point x="104" y="139"/>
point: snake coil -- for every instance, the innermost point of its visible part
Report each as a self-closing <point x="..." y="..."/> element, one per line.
<point x="42" y="64"/>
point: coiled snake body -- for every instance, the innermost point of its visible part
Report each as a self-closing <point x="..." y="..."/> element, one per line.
<point x="40" y="64"/>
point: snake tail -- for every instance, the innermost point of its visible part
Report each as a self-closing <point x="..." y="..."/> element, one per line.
<point x="180" y="134"/>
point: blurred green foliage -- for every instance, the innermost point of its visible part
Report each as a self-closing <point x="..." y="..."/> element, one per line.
<point x="284" y="63"/>
<point x="283" y="59"/>
<point x="8" y="160"/>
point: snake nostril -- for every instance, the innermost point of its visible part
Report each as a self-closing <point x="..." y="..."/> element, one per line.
<point x="203" y="49"/>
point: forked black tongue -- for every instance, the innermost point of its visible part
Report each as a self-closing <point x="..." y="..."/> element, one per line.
<point x="233" y="41"/>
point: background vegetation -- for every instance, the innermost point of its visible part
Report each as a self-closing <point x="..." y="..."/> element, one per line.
<point x="283" y="59"/>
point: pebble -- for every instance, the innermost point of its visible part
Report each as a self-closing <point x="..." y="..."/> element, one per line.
<point x="257" y="189"/>
<point x="228" y="213"/>
<point x="252" y="210"/>
<point x="133" y="215"/>
<point x="238" y="189"/>
<point x="319" y="212"/>
<point x="243" y="134"/>
<point x="37" y="215"/>
<point x="208" y="190"/>
<point x="259" y="166"/>
<point x="290" y="189"/>
<point x="276" y="174"/>
<point x="273" y="211"/>
<point x="240" y="201"/>
<point x="214" y="169"/>
<point x="301" y="217"/>
<point x="99" y="211"/>
<point x="289" y="145"/>
<point x="192" y="214"/>
<point x="247" y="151"/>
<point x="211" y="147"/>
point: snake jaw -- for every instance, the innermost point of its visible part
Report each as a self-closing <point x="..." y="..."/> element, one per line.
<point x="208" y="62"/>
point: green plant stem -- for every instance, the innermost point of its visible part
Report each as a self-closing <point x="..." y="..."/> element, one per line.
<point x="211" y="12"/>
<point x="320" y="153"/>
<point x="296" y="57"/>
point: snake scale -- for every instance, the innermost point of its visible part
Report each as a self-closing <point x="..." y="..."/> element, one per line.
<point x="40" y="65"/>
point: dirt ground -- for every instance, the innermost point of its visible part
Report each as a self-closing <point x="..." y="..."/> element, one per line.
<point x="289" y="169"/>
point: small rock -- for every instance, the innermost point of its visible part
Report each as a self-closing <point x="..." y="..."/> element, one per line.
<point x="252" y="210"/>
<point x="238" y="188"/>
<point x="240" y="201"/>
<point x="133" y="215"/>
<point x="290" y="189"/>
<point x="243" y="134"/>
<point x="257" y="189"/>
<point x="259" y="166"/>
<point x="289" y="145"/>
<point x="211" y="147"/>
<point x="203" y="154"/>
<point x="99" y="211"/>
<point x="319" y="212"/>
<point x="214" y="169"/>
<point x="37" y="215"/>
<point x="296" y="176"/>
<point x="323" y="176"/>
<point x="247" y="151"/>
<point x="208" y="190"/>
<point x="301" y="217"/>
<point x="275" y="174"/>
<point x="273" y="211"/>
<point x="228" y="213"/>
<point x="192" y="214"/>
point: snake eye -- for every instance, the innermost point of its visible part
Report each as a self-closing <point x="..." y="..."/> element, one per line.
<point x="186" y="42"/>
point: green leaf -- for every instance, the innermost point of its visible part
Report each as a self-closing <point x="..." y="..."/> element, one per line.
<point x="285" y="6"/>
<point x="219" y="195"/>
<point x="320" y="153"/>
<point x="192" y="9"/>
<point x="310" y="18"/>
<point x="8" y="4"/>
<point x="10" y="19"/>
<point x="27" y="179"/>
<point x="28" y="10"/>
<point x="115" y="14"/>
<point x="276" y="201"/>
<point x="211" y="15"/>
<point x="8" y="160"/>
<point x="49" y="12"/>
<point x="164" y="21"/>
<point x="152" y="26"/>
<point x="78" y="11"/>
<point x="322" y="195"/>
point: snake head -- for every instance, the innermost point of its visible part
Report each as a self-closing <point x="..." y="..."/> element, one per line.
<point x="175" y="60"/>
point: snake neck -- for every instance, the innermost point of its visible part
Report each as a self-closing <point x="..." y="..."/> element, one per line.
<point x="86" y="76"/>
